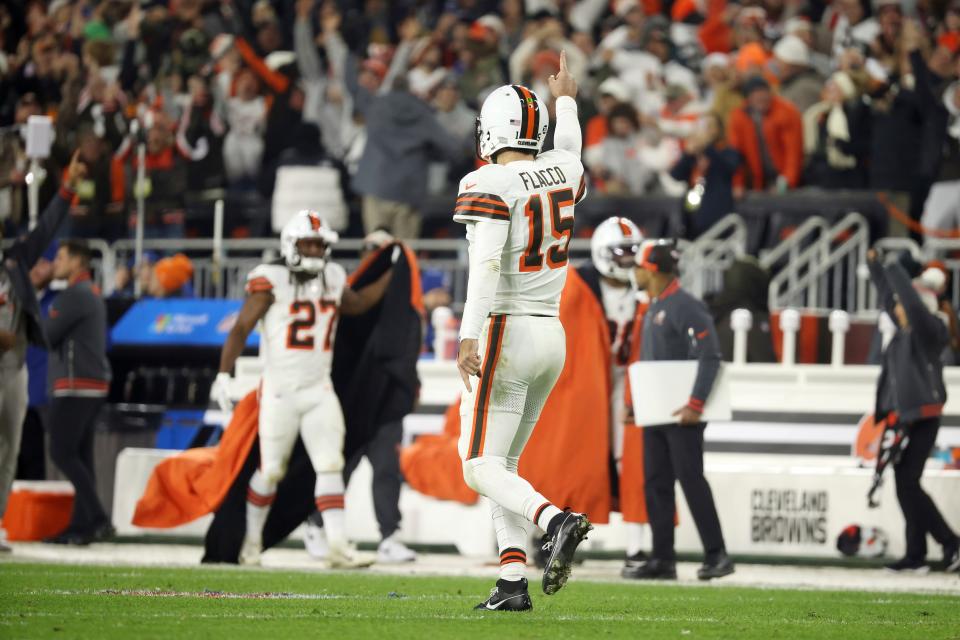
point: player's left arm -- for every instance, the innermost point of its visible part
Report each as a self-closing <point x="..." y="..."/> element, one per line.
<point x="357" y="303"/>
<point x="563" y="86"/>
<point x="487" y="240"/>
<point x="704" y="346"/>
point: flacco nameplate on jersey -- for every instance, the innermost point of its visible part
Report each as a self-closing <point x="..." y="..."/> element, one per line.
<point x="552" y="177"/>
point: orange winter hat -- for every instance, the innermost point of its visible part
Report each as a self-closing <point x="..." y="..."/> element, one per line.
<point x="751" y="55"/>
<point x="173" y="272"/>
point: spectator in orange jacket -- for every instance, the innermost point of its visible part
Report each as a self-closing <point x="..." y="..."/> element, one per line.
<point x="768" y="132"/>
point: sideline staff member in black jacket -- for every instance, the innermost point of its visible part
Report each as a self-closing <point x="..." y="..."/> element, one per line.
<point x="79" y="375"/>
<point x="677" y="326"/>
<point x="911" y="391"/>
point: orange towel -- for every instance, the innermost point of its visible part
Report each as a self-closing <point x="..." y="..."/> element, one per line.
<point x="194" y="483"/>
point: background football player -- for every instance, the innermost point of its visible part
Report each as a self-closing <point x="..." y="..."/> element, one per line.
<point x="613" y="249"/>
<point x="297" y="301"/>
<point x="518" y="211"/>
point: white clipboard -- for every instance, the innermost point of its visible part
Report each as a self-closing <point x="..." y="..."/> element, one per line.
<point x="659" y="388"/>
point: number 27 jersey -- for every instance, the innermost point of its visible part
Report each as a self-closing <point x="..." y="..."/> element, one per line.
<point x="298" y="330"/>
<point x="536" y="198"/>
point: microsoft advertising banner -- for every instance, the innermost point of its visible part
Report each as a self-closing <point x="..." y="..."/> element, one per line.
<point x="179" y="322"/>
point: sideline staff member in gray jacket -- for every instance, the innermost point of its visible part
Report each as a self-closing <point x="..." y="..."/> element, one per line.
<point x="911" y="391"/>
<point x="20" y="323"/>
<point x="677" y="326"/>
<point x="79" y="380"/>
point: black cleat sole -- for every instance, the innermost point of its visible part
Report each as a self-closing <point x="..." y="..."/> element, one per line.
<point x="560" y="563"/>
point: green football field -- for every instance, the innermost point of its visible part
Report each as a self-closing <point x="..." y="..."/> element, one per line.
<point x="83" y="601"/>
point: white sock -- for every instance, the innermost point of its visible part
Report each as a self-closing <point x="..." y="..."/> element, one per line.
<point x="513" y="571"/>
<point x="636" y="537"/>
<point x="260" y="495"/>
<point x="544" y="514"/>
<point x="511" y="539"/>
<point x="328" y="493"/>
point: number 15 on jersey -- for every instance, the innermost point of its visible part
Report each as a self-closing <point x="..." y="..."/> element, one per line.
<point x="560" y="230"/>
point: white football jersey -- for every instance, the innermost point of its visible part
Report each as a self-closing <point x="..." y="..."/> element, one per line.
<point x="620" y="307"/>
<point x="536" y="198"/>
<point x="298" y="330"/>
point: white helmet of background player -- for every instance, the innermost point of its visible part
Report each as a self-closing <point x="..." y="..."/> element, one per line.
<point x="512" y="117"/>
<point x="306" y="224"/>
<point x="615" y="243"/>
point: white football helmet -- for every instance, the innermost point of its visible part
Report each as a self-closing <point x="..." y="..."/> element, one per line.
<point x="512" y="117"/>
<point x="615" y="243"/>
<point x="306" y="224"/>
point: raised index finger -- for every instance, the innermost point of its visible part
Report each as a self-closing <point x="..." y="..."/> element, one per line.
<point x="563" y="61"/>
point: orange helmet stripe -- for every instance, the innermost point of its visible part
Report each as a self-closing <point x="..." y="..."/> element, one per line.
<point x="530" y="104"/>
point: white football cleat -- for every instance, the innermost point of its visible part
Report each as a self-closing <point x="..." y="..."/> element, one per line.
<point x="250" y="551"/>
<point x="392" y="551"/>
<point x="348" y="558"/>
<point x="315" y="542"/>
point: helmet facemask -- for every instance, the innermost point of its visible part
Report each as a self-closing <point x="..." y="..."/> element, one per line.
<point x="307" y="226"/>
<point x="621" y="259"/>
<point x="317" y="260"/>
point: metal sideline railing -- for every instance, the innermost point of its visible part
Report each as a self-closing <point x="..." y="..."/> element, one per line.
<point x="220" y="265"/>
<point x="704" y="261"/>
<point x="810" y="232"/>
<point x="825" y="274"/>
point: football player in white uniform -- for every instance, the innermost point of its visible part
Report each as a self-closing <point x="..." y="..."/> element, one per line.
<point x="614" y="248"/>
<point x="297" y="300"/>
<point x="615" y="243"/>
<point x="518" y="212"/>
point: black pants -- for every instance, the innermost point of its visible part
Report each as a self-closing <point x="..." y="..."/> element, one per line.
<point x="32" y="461"/>
<point x="672" y="453"/>
<point x="71" y="428"/>
<point x="383" y="452"/>
<point x="921" y="515"/>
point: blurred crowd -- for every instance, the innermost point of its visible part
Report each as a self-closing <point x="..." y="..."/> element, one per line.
<point x="363" y="109"/>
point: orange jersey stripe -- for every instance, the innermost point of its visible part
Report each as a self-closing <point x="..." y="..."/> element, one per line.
<point x="496" y="205"/>
<point x="493" y="213"/>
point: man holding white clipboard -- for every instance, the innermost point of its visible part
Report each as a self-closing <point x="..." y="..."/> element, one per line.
<point x="677" y="327"/>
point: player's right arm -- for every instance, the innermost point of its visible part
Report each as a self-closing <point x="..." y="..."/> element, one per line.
<point x="254" y="307"/>
<point x="487" y="216"/>
<point x="563" y="86"/>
